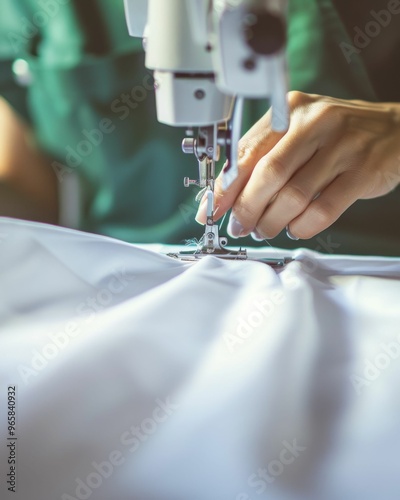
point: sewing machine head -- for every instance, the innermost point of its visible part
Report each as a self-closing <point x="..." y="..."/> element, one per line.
<point x="207" y="56"/>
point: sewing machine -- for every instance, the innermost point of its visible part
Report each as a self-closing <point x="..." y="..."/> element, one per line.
<point x="207" y="57"/>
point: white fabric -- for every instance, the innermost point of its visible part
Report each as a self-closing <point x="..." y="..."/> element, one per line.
<point x="228" y="369"/>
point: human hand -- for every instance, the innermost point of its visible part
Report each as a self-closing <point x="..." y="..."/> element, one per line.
<point x="334" y="153"/>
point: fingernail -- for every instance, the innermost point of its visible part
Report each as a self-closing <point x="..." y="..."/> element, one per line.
<point x="290" y="235"/>
<point x="235" y="229"/>
<point x="257" y="236"/>
<point x="201" y="215"/>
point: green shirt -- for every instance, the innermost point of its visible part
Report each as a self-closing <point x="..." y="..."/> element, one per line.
<point x="91" y="104"/>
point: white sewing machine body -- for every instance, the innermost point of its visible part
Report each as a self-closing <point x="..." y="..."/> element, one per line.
<point x="207" y="57"/>
<point x="205" y="45"/>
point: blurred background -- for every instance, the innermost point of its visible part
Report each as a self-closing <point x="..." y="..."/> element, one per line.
<point x="79" y="140"/>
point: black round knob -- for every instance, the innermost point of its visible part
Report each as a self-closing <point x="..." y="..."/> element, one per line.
<point x="264" y="32"/>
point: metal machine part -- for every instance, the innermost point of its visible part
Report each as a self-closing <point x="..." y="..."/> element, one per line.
<point x="207" y="56"/>
<point x="279" y="263"/>
<point x="206" y="148"/>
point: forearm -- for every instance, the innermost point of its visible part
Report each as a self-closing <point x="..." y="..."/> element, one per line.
<point x="28" y="186"/>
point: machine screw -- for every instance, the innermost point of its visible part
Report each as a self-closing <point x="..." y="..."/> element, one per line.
<point x="188" y="182"/>
<point x="249" y="64"/>
<point x="200" y="94"/>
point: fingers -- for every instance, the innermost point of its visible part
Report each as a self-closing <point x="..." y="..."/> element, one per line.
<point x="330" y="205"/>
<point x="298" y="193"/>
<point x="269" y="176"/>
<point x="257" y="142"/>
<point x="305" y="179"/>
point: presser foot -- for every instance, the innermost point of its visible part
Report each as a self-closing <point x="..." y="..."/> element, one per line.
<point x="192" y="256"/>
<point x="212" y="244"/>
<point x="241" y="254"/>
